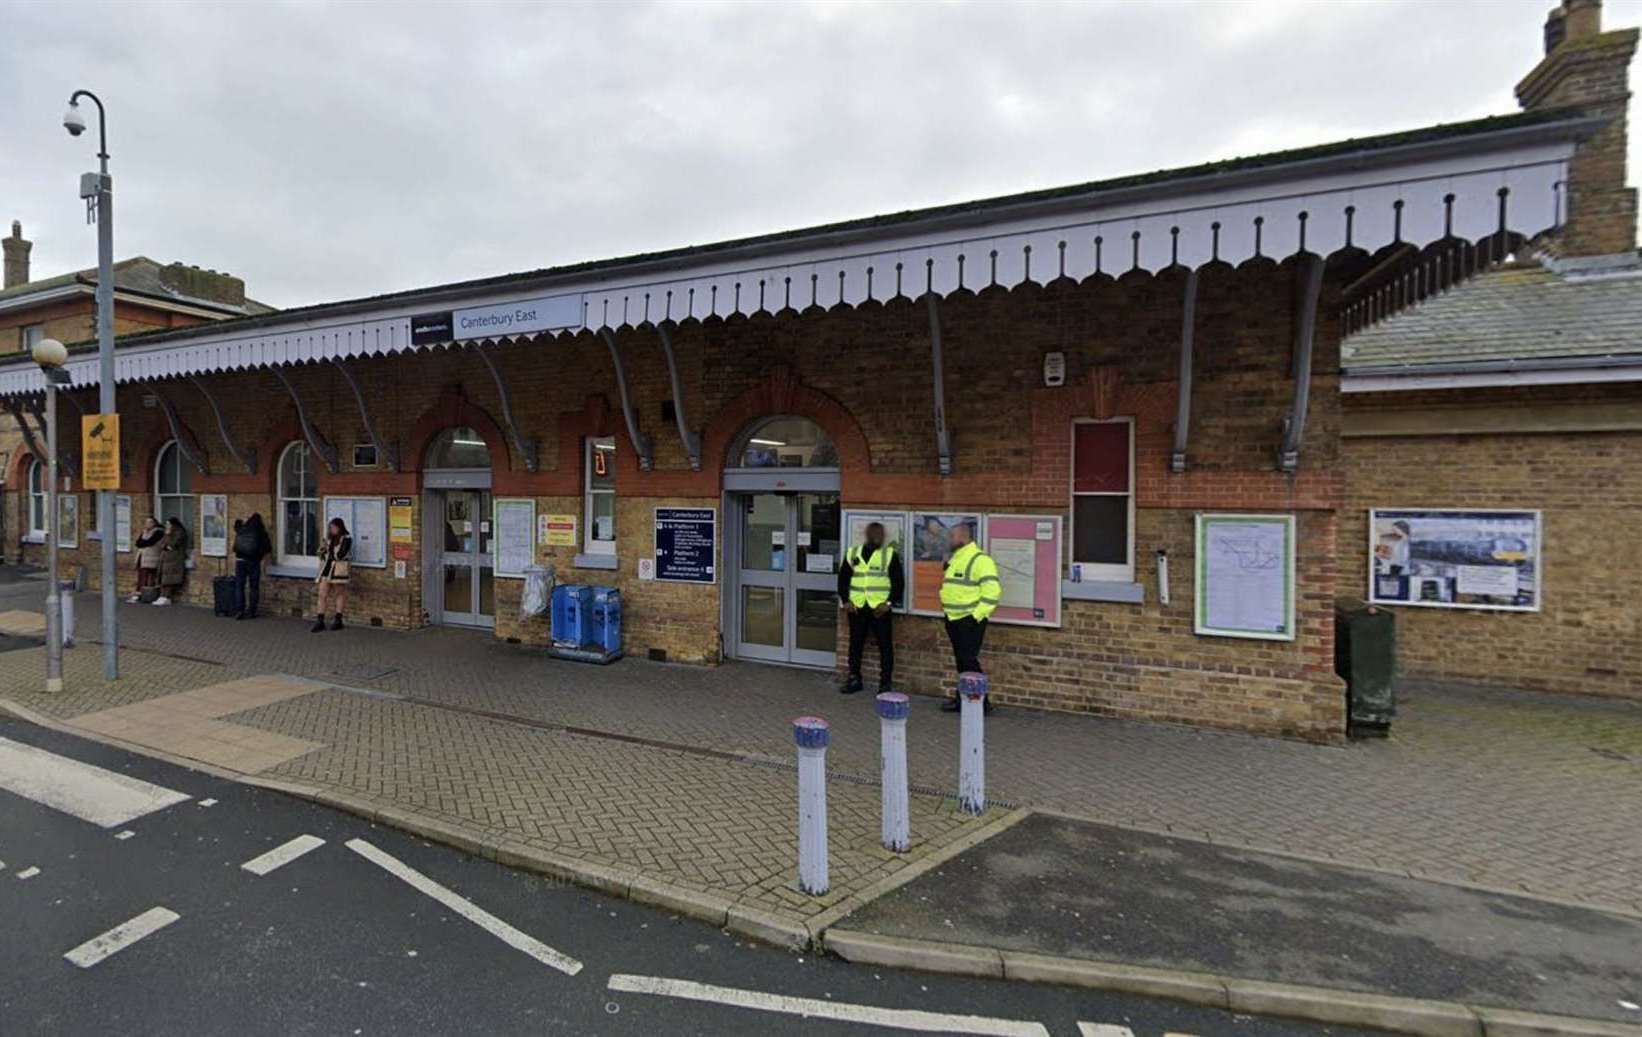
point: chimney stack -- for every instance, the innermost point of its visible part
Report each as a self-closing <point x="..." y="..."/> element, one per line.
<point x="1588" y="69"/>
<point x="17" y="256"/>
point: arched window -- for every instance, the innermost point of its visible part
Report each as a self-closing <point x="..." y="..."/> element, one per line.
<point x="37" y="499"/>
<point x="787" y="443"/>
<point x="298" y="507"/>
<point x="459" y="447"/>
<point x="172" y="485"/>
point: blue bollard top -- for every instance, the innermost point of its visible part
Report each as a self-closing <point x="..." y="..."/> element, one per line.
<point x="892" y="705"/>
<point x="811" y="733"/>
<point x="972" y="685"/>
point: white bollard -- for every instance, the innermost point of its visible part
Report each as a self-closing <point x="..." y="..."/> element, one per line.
<point x="812" y="735"/>
<point x="65" y="601"/>
<point x="972" y="743"/>
<point x="893" y="708"/>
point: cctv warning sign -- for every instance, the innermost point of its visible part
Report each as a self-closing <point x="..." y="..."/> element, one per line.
<point x="100" y="451"/>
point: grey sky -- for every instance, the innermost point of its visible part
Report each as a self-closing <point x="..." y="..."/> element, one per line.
<point x="325" y="151"/>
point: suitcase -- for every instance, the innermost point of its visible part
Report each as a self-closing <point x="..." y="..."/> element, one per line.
<point x="225" y="592"/>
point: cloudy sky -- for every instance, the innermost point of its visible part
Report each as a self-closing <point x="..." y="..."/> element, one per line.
<point x="326" y="151"/>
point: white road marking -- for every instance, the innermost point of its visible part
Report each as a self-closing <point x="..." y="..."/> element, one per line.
<point x="88" y="793"/>
<point x="123" y="836"/>
<point x="282" y="855"/>
<point x="1103" y="1030"/>
<point x="121" y="936"/>
<point x="814" y="1008"/>
<point x="208" y="802"/>
<point x="27" y="873"/>
<point x="472" y="912"/>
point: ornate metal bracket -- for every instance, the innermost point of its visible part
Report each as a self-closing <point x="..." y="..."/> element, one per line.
<point x="187" y="442"/>
<point x="641" y="442"/>
<point x="316" y="440"/>
<point x="246" y="456"/>
<point x="943" y="442"/>
<point x="36" y="447"/>
<point x="1183" y="409"/>
<point x="1294" y="426"/>
<point x="690" y="440"/>
<point x="527" y="448"/>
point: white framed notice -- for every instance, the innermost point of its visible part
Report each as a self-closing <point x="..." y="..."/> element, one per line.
<point x="214" y="525"/>
<point x="895" y="525"/>
<point x="1458" y="558"/>
<point x="68" y="520"/>
<point x="513" y="539"/>
<point x="367" y="522"/>
<point x="122" y="522"/>
<point x="1245" y="576"/>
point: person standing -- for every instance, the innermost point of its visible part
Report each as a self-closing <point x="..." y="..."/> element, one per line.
<point x="870" y="585"/>
<point x="970" y="592"/>
<point x="251" y="545"/>
<point x="148" y="559"/>
<point x="173" y="561"/>
<point x="335" y="557"/>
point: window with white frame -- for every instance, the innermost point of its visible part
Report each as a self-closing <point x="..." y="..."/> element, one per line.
<point x="37" y="500"/>
<point x="32" y="334"/>
<point x="173" y="487"/>
<point x="298" y="511"/>
<point x="1103" y="498"/>
<point x="600" y="509"/>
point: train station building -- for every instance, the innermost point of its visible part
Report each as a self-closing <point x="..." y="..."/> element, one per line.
<point x="1132" y="389"/>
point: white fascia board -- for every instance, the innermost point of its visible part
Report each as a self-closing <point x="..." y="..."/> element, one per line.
<point x="1411" y="382"/>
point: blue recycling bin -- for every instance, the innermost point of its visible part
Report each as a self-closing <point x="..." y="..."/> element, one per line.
<point x="572" y="614"/>
<point x="606" y="625"/>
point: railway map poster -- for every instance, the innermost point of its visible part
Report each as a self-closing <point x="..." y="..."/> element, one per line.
<point x="1245" y="576"/>
<point x="1455" y="558"/>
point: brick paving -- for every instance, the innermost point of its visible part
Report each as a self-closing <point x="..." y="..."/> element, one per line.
<point x="1505" y="789"/>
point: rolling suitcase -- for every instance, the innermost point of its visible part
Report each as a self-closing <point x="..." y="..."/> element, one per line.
<point x="225" y="592"/>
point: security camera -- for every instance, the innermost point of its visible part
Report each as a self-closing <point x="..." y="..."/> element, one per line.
<point x="74" y="121"/>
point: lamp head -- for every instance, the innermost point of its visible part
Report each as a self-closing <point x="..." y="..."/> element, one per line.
<point x="74" y="120"/>
<point x="50" y="353"/>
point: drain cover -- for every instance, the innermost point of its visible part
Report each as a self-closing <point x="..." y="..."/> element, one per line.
<point x="364" y="671"/>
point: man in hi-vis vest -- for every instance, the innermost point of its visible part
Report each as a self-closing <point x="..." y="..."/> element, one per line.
<point x="970" y="592"/>
<point x="870" y="584"/>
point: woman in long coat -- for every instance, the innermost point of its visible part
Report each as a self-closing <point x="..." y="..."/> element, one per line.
<point x="173" y="561"/>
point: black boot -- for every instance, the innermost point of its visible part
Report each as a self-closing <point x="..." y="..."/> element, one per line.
<point x="885" y="686"/>
<point x="319" y="624"/>
<point x="336" y="624"/>
<point x="851" y="686"/>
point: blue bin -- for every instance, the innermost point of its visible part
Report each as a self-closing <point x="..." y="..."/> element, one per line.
<point x="606" y="625"/>
<point x="572" y="614"/>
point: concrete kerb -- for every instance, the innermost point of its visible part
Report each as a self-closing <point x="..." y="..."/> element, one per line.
<point x="1423" y="1018"/>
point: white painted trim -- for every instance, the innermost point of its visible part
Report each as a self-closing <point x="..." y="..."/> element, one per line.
<point x="1413" y="381"/>
<point x="1099" y="572"/>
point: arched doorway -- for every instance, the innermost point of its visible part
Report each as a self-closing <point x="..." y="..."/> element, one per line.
<point x="783" y="544"/>
<point x="459" y="583"/>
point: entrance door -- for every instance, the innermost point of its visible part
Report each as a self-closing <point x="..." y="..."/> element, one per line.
<point x="469" y="578"/>
<point x="786" y="609"/>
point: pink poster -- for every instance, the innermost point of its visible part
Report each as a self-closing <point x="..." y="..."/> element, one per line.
<point x="1027" y="549"/>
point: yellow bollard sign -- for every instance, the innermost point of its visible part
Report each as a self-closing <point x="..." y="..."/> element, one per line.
<point x="100" y="451"/>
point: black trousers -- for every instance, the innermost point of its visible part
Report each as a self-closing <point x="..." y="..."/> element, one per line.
<point x="966" y="636"/>
<point x="248" y="575"/>
<point x="882" y="628"/>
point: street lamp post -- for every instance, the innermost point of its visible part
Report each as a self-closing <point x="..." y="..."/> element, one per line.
<point x="51" y="355"/>
<point x="98" y="189"/>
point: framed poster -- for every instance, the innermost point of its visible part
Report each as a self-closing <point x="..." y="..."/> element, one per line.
<point x="1458" y="558"/>
<point x="895" y="534"/>
<point x="1245" y="577"/>
<point x="122" y="522"/>
<point x="1027" y="549"/>
<point x="514" y="542"/>
<point x="686" y="543"/>
<point x="366" y="519"/>
<point x="68" y="520"/>
<point x="930" y="552"/>
<point x="214" y="525"/>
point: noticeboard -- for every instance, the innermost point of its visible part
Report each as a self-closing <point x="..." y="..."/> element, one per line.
<point x="366" y="520"/>
<point x="931" y="549"/>
<point x="1245" y="577"/>
<point x="1455" y="558"/>
<point x="515" y="530"/>
<point x="895" y="535"/>
<point x="686" y="544"/>
<point x="1027" y="550"/>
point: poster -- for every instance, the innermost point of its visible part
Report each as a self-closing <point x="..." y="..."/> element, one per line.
<point x="930" y="551"/>
<point x="686" y="542"/>
<point x="895" y="534"/>
<point x="1028" y="551"/>
<point x="122" y="522"/>
<point x="68" y="520"/>
<point x="515" y="525"/>
<point x="399" y="520"/>
<point x="560" y="530"/>
<point x="1455" y="558"/>
<point x="100" y="451"/>
<point x="214" y="525"/>
<point x="366" y="520"/>
<point x="1245" y="576"/>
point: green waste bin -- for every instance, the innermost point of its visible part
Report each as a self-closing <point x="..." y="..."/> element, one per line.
<point x="1365" y="657"/>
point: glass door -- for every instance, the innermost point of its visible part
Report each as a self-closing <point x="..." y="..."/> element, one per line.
<point x="467" y="563"/>
<point x="787" y="607"/>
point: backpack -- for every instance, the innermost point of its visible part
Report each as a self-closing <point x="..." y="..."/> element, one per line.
<point x="245" y="542"/>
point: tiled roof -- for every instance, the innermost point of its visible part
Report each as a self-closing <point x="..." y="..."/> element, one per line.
<point x="138" y="274"/>
<point x="1518" y="313"/>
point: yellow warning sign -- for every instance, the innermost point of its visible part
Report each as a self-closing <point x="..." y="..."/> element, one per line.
<point x="100" y="451"/>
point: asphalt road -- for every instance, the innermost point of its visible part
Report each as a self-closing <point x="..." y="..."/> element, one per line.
<point x="334" y="942"/>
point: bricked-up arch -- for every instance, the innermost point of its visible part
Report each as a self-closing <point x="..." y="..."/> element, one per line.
<point x="781" y="393"/>
<point x="449" y="411"/>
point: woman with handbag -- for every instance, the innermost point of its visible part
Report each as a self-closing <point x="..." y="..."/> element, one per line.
<point x="148" y="562"/>
<point x="334" y="557"/>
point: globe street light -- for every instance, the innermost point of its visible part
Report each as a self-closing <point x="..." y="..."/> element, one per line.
<point x="51" y="356"/>
<point x="98" y="191"/>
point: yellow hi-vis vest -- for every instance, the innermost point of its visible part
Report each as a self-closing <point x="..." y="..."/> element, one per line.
<point x="869" y="577"/>
<point x="971" y="586"/>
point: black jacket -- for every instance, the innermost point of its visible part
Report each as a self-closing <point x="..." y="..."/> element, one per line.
<point x="897" y="579"/>
<point x="251" y="541"/>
